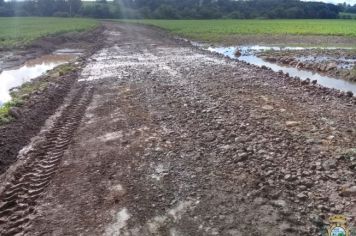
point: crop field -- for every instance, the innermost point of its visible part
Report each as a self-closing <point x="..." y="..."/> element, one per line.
<point x="18" y="31"/>
<point x="215" y="30"/>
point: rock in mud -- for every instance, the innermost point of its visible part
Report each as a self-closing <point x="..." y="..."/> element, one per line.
<point x="271" y="59"/>
<point x="292" y="123"/>
<point x="349" y="192"/>
<point x="302" y="196"/>
<point x="322" y="67"/>
<point x="279" y="203"/>
<point x="287" y="60"/>
<point x="331" y="66"/>
<point x="300" y="65"/>
<point x="209" y="137"/>
<point x="306" y="82"/>
<point x="267" y="107"/>
<point x="329" y="164"/>
<point x="237" y="53"/>
<point x="15" y="112"/>
<point x="116" y="193"/>
<point x="241" y="157"/>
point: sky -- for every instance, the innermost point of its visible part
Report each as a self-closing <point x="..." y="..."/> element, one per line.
<point x="352" y="2"/>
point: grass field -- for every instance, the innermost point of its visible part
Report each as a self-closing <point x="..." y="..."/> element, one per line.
<point x="18" y="31"/>
<point x="216" y="30"/>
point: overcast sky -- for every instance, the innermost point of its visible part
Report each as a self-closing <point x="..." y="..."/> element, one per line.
<point x="352" y="2"/>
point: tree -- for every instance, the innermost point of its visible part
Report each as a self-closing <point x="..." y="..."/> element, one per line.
<point x="74" y="6"/>
<point x="174" y="9"/>
<point x="60" y="6"/>
<point x="166" y="12"/>
<point x="208" y="12"/>
<point x="236" y="15"/>
<point x="46" y="7"/>
<point x="97" y="10"/>
<point x="29" y="8"/>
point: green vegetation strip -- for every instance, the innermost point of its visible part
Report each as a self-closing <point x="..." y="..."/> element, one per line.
<point x="216" y="30"/>
<point x="19" y="31"/>
<point x="5" y="117"/>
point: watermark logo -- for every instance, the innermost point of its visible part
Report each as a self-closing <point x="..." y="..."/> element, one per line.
<point x="338" y="226"/>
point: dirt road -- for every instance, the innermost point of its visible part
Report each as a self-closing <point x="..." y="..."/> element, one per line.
<point x="159" y="138"/>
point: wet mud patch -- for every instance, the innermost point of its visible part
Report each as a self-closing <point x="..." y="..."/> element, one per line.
<point x="32" y="115"/>
<point x="178" y="141"/>
<point x="37" y="164"/>
<point x="14" y="78"/>
<point x="337" y="63"/>
<point x="43" y="95"/>
<point x="103" y="160"/>
<point x="334" y="74"/>
<point x="82" y="41"/>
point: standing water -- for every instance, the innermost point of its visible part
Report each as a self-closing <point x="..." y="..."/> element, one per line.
<point x="10" y="79"/>
<point x="248" y="54"/>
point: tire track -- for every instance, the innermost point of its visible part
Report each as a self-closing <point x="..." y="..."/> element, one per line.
<point x="29" y="181"/>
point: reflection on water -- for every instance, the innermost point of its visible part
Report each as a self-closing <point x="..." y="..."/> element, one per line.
<point x="69" y="51"/>
<point x="248" y="54"/>
<point x="10" y="79"/>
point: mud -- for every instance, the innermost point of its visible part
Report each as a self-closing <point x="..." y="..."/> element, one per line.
<point x="17" y="134"/>
<point x="172" y="140"/>
<point x="40" y="104"/>
<point x="14" y="78"/>
<point x="27" y="180"/>
<point x="46" y="45"/>
<point x="338" y="63"/>
<point x="256" y="55"/>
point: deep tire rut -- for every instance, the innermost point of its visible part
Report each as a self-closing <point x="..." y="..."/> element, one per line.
<point x="29" y="181"/>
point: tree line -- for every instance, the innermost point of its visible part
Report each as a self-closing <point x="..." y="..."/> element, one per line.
<point x="177" y="9"/>
<point x="40" y="8"/>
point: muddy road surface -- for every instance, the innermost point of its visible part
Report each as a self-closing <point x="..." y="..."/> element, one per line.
<point x="159" y="138"/>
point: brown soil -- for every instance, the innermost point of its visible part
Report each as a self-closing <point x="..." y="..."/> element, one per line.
<point x="42" y="104"/>
<point x="17" y="134"/>
<point x="159" y="138"/>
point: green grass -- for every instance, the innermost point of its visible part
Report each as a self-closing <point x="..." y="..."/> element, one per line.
<point x="4" y="112"/>
<point x="217" y="30"/>
<point x="19" y="31"/>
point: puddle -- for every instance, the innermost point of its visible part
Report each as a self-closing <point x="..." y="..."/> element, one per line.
<point x="66" y="51"/>
<point x="13" y="78"/>
<point x="248" y="54"/>
<point x="342" y="62"/>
